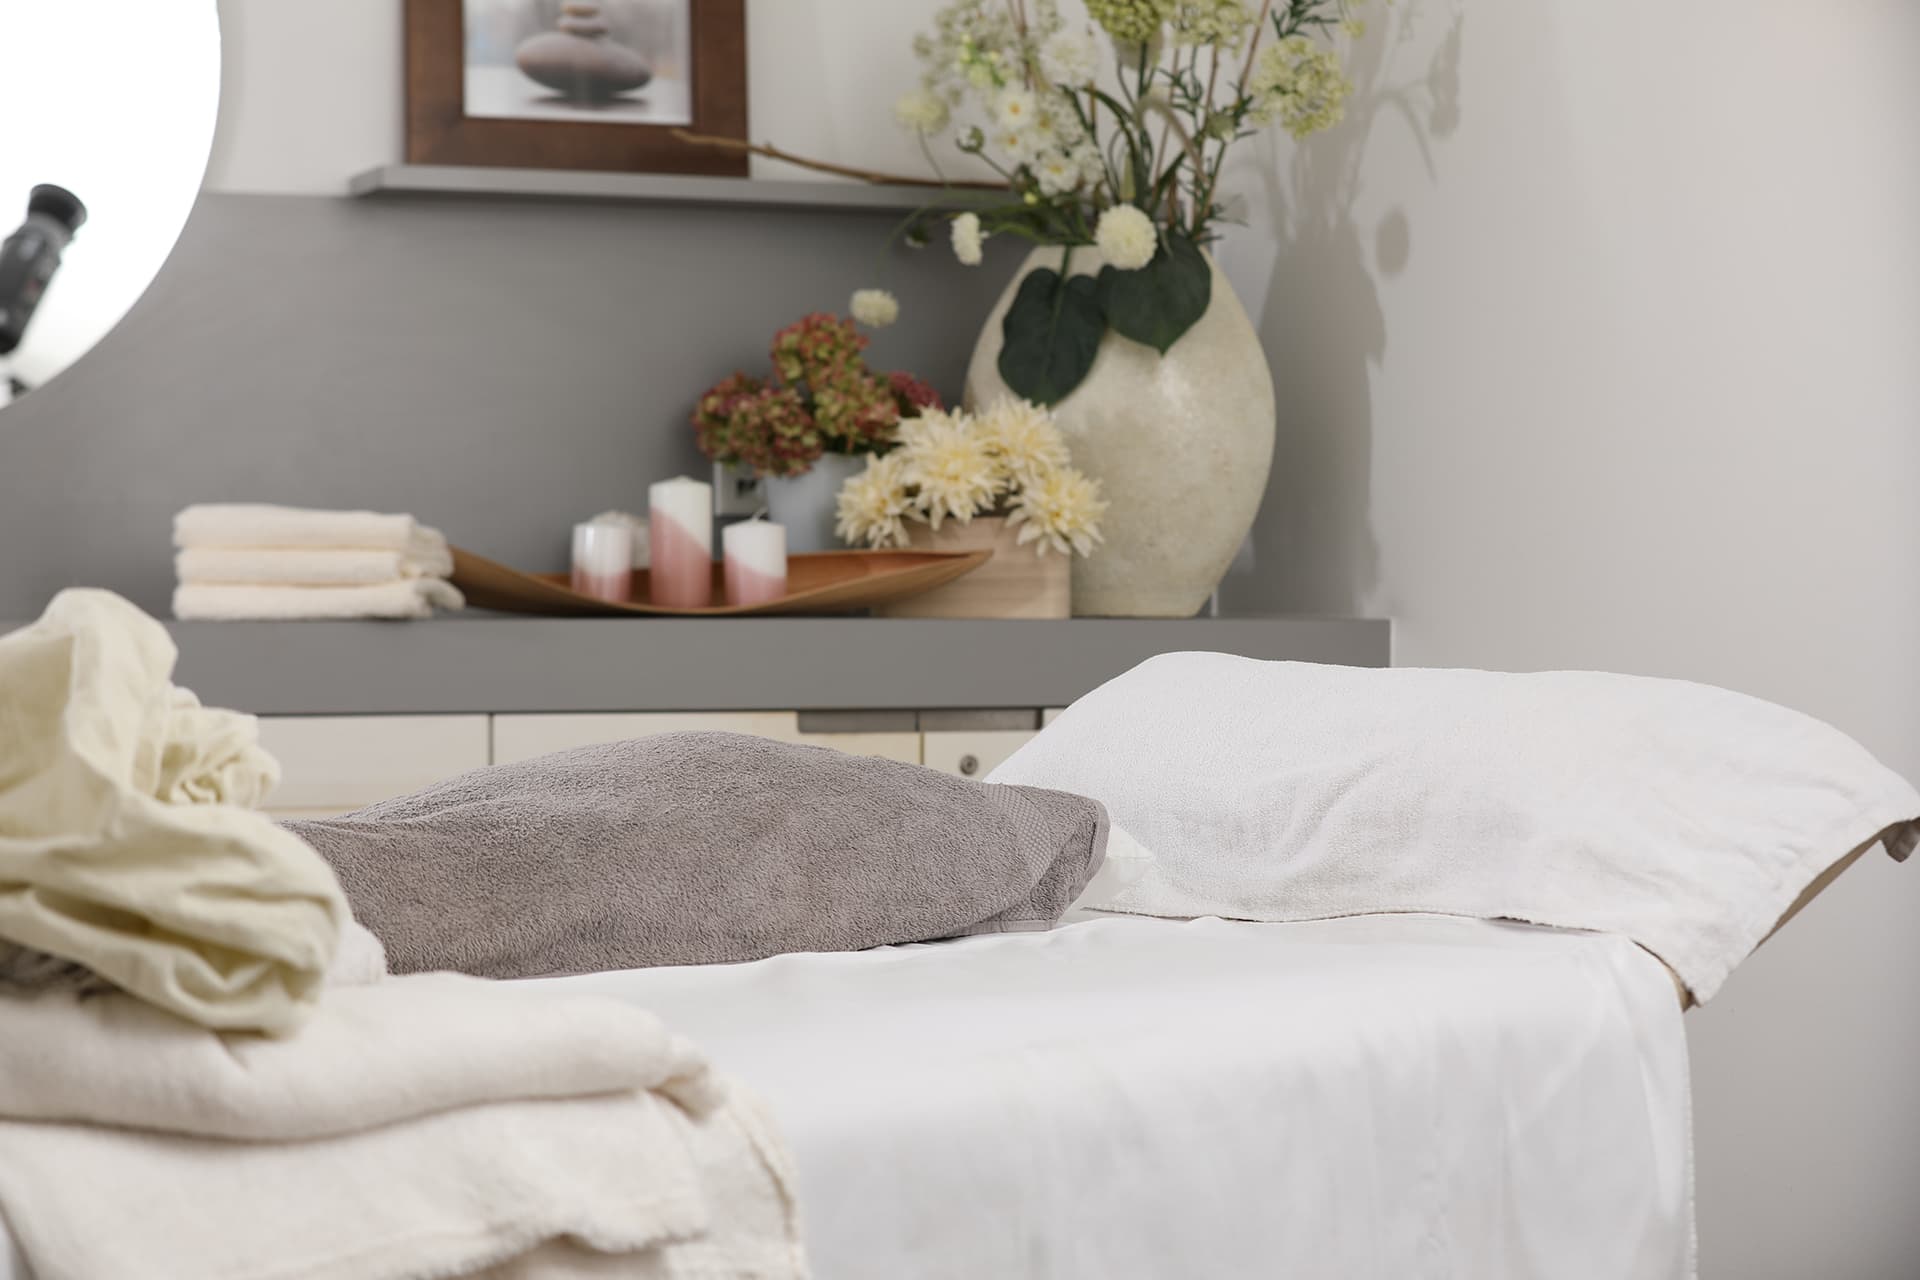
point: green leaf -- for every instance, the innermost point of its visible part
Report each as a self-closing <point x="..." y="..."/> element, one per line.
<point x="1163" y="299"/>
<point x="1052" y="333"/>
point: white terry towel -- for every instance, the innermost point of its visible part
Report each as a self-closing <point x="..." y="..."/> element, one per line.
<point x="238" y="524"/>
<point x="575" y="1133"/>
<point x="307" y="566"/>
<point x="403" y="598"/>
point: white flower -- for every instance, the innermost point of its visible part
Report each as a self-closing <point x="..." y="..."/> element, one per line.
<point x="1059" y="509"/>
<point x="1070" y="59"/>
<point x="1300" y="84"/>
<point x="1017" y="146"/>
<point x="1126" y="237"/>
<point x="1057" y="173"/>
<point x="875" y="308"/>
<point x="953" y="471"/>
<point x="922" y="111"/>
<point x="1016" y="110"/>
<point x="1220" y="23"/>
<point x="1022" y="435"/>
<point x="967" y="239"/>
<point x="1053" y="117"/>
<point x="1093" y="170"/>
<point x="872" y="506"/>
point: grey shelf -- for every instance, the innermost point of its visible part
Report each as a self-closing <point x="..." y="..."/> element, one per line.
<point x="633" y="188"/>
<point x="476" y="663"/>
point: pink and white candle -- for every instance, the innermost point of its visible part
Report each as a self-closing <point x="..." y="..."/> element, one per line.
<point x="680" y="524"/>
<point x="755" y="552"/>
<point x="603" y="560"/>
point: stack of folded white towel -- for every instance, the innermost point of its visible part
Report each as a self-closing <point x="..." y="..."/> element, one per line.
<point x="236" y="1088"/>
<point x="241" y="560"/>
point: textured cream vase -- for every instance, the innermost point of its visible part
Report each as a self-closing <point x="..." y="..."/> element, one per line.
<point x="1180" y="443"/>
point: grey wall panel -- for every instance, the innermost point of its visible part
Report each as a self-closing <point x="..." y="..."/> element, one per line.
<point x="499" y="368"/>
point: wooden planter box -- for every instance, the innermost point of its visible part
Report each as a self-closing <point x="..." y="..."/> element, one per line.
<point x="1016" y="583"/>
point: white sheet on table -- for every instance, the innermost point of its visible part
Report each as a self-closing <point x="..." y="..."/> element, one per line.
<point x="1386" y="1096"/>
<point x="1132" y="1099"/>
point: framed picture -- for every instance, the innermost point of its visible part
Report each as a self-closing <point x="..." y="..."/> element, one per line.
<point x="576" y="84"/>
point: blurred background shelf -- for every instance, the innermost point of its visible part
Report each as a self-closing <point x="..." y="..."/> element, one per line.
<point x="636" y="188"/>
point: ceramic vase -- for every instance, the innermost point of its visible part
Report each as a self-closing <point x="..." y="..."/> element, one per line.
<point x="1181" y="444"/>
<point x="1016" y="583"/>
<point x="805" y="504"/>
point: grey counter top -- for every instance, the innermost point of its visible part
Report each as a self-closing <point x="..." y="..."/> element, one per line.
<point x="497" y="663"/>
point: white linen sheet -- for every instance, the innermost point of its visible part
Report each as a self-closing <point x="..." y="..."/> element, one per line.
<point x="1134" y="1099"/>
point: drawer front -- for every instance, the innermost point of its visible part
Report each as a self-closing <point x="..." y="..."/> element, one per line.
<point x="334" y="764"/>
<point x="972" y="755"/>
<point x="519" y="737"/>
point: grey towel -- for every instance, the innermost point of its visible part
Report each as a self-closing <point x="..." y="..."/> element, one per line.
<point x="695" y="848"/>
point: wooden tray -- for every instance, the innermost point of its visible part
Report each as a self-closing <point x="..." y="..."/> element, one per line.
<point x="824" y="582"/>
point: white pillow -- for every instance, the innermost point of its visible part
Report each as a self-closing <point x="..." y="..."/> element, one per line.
<point x="1685" y="817"/>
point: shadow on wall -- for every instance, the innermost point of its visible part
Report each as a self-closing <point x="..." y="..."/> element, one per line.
<point x="1324" y="328"/>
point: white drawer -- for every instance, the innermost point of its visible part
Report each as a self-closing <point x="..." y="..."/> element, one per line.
<point x="519" y="737"/>
<point x="333" y="764"/>
<point x="972" y="754"/>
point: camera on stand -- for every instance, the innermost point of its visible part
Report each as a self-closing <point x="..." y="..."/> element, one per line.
<point x="30" y="256"/>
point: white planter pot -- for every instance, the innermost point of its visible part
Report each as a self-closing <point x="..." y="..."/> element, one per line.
<point x="805" y="504"/>
<point x="1180" y="443"/>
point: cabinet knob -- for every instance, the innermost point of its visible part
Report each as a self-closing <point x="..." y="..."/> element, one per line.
<point x="969" y="765"/>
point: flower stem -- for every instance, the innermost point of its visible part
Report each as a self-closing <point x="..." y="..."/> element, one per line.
<point x="772" y="152"/>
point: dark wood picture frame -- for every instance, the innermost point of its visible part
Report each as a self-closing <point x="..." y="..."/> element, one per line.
<point x="440" y="132"/>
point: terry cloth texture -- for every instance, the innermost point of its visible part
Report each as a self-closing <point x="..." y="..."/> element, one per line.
<point x="699" y="848"/>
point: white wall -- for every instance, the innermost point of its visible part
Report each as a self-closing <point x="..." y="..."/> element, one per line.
<point x="1626" y="374"/>
<point x="1597" y="340"/>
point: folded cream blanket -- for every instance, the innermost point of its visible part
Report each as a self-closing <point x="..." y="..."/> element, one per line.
<point x="402" y="598"/>
<point x="306" y="566"/>
<point x="235" y="524"/>
<point x="447" y="1195"/>
<point x="370" y="1055"/>
<point x="123" y="843"/>
<point x="425" y="1126"/>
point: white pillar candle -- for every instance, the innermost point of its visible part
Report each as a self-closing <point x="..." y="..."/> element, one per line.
<point x="603" y="560"/>
<point x="755" y="552"/>
<point x="680" y="523"/>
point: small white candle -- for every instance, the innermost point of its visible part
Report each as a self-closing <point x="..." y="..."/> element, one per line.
<point x="755" y="552"/>
<point x="603" y="560"/>
<point x="680" y="524"/>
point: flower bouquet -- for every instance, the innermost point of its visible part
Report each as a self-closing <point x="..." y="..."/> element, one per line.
<point x="1120" y="149"/>
<point x="1002" y="480"/>
<point x="820" y="398"/>
<point x="804" y="427"/>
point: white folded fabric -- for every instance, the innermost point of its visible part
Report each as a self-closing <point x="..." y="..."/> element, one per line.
<point x="447" y="1195"/>
<point x="434" y="1125"/>
<point x="370" y="1055"/>
<point x="124" y="844"/>
<point x="308" y="566"/>
<point x="404" y="598"/>
<point x="235" y="524"/>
